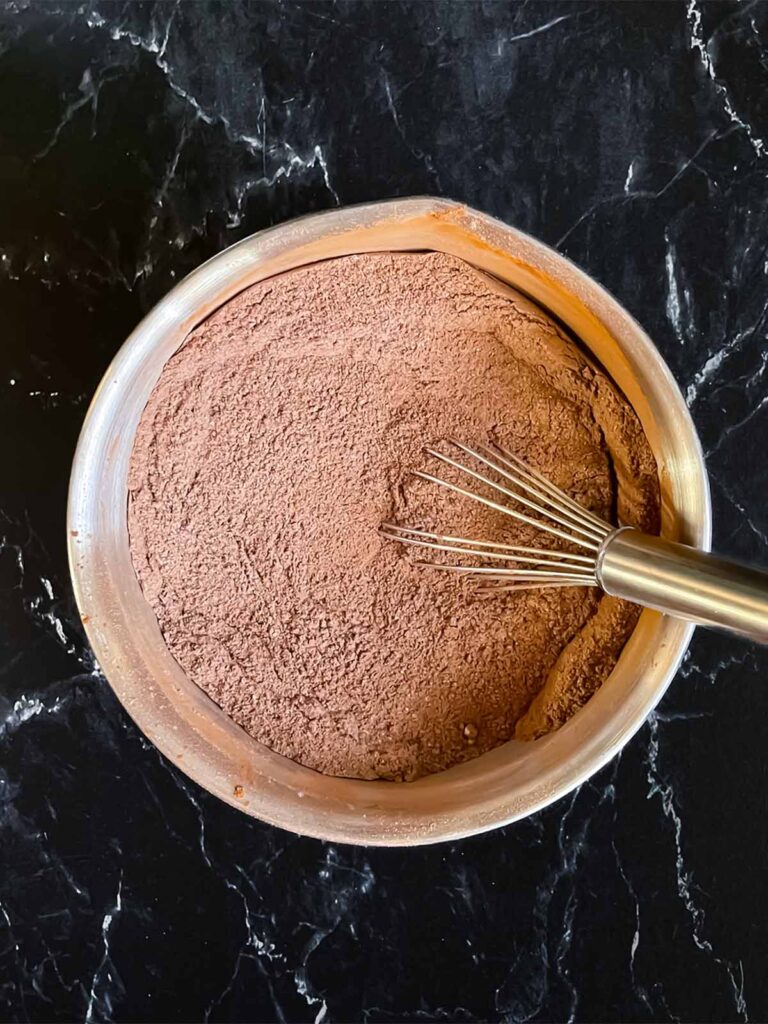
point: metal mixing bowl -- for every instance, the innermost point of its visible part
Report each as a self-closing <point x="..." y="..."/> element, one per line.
<point x="499" y="787"/>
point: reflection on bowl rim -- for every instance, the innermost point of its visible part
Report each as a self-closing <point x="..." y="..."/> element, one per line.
<point x="499" y="787"/>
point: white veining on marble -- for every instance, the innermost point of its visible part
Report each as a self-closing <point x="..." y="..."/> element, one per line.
<point x="539" y="29"/>
<point x="673" y="295"/>
<point x="746" y="515"/>
<point x="89" y="89"/>
<point x="420" y="155"/>
<point x="252" y="949"/>
<point x="708" y="369"/>
<point x="637" y="987"/>
<point x="25" y="708"/>
<point x="6" y="545"/>
<point x="301" y="978"/>
<point x="286" y="169"/>
<point x="169" y="175"/>
<point x="630" y="195"/>
<point x="630" y="176"/>
<point x="698" y="43"/>
<point x="254" y="143"/>
<point x="105" y="984"/>
<point x="742" y="656"/>
<point x="335" y="896"/>
<point x="659" y="786"/>
<point x="42" y="605"/>
<point x="734" y="428"/>
<point x="186" y="789"/>
<point x="255" y="947"/>
<point x="520" y="1000"/>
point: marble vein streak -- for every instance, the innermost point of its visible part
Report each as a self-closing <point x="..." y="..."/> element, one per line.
<point x="711" y="372"/>
<point x="746" y="516"/>
<point x="627" y="194"/>
<point x="539" y="29"/>
<point x="698" y="43"/>
<point x="254" y="143"/>
<point x="673" y="293"/>
<point x="524" y="992"/>
<point x="637" y="986"/>
<point x="659" y="787"/>
<point x="106" y="983"/>
<point x="419" y="154"/>
<point x="89" y="96"/>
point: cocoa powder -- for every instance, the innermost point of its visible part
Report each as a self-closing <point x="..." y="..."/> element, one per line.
<point x="281" y="435"/>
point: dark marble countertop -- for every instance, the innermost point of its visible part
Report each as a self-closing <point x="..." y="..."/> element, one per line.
<point x="137" y="139"/>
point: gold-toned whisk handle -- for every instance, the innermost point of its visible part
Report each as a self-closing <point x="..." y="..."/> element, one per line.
<point x="685" y="582"/>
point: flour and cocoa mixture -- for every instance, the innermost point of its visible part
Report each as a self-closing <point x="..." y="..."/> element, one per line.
<point x="281" y="435"/>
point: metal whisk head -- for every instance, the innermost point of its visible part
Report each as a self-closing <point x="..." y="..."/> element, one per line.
<point x="537" y="502"/>
<point x="624" y="562"/>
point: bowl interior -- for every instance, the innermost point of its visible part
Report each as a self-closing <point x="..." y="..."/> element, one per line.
<point x="188" y="727"/>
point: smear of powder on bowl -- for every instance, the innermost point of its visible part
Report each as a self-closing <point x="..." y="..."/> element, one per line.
<point x="281" y="435"/>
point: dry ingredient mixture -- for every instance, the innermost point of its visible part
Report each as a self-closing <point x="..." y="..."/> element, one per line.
<point x="281" y="435"/>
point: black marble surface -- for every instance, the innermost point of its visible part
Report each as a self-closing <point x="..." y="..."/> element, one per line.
<point x="137" y="139"/>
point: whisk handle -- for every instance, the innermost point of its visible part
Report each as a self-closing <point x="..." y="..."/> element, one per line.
<point x="685" y="582"/>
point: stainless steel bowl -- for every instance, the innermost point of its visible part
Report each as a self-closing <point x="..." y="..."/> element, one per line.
<point x="499" y="787"/>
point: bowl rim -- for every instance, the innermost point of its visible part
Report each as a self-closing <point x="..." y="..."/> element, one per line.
<point x="85" y="473"/>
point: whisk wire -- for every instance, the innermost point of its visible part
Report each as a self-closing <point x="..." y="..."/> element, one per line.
<point x="527" y="568"/>
<point x="581" y="515"/>
<point x="547" y="527"/>
<point x="650" y="571"/>
<point x="573" y="516"/>
<point x="545" y="484"/>
<point x="550" y="584"/>
<point x="495" y="574"/>
<point x="483" y="549"/>
<point x="544" y="505"/>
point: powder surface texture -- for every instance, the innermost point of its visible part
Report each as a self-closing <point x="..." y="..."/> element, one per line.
<point x="281" y="435"/>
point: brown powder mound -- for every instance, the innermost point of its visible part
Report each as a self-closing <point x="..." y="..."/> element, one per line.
<point x="281" y="435"/>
